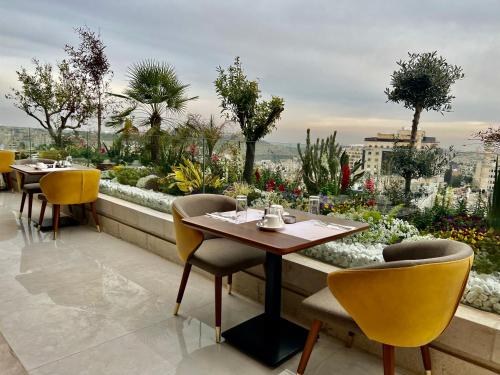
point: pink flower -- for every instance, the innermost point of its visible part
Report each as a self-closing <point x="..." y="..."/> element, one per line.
<point x="270" y="185"/>
<point x="370" y="185"/>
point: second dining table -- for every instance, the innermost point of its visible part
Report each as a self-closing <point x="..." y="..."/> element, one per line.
<point x="269" y="337"/>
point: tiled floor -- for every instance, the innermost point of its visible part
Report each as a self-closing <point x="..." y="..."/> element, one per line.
<point x="92" y="304"/>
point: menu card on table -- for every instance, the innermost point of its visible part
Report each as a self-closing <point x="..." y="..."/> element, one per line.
<point x="313" y="230"/>
<point x="230" y="216"/>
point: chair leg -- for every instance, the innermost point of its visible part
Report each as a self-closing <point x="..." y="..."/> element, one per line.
<point x="311" y="340"/>
<point x="389" y="360"/>
<point x="182" y="287"/>
<point x="30" y="206"/>
<point x="23" y="199"/>
<point x="55" y="218"/>
<point x="42" y="214"/>
<point x="426" y="357"/>
<point x="229" y="283"/>
<point x="94" y="215"/>
<point x="218" y="303"/>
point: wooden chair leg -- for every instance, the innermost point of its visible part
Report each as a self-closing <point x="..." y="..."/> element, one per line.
<point x="229" y="283"/>
<point x="94" y="215"/>
<point x="218" y="305"/>
<point x="23" y="199"/>
<point x="55" y="218"/>
<point x="426" y="358"/>
<point x="311" y="340"/>
<point x="42" y="214"/>
<point x="30" y="206"/>
<point x="389" y="359"/>
<point x="182" y="287"/>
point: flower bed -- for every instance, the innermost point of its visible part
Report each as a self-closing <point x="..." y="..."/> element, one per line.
<point x="147" y="198"/>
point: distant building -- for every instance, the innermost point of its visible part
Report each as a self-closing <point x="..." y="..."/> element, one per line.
<point x="484" y="174"/>
<point x="355" y="153"/>
<point x="377" y="150"/>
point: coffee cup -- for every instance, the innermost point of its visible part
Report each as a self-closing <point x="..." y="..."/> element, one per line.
<point x="271" y="221"/>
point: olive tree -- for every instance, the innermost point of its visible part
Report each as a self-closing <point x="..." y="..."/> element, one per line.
<point x="241" y="102"/>
<point x="423" y="82"/>
<point x="57" y="102"/>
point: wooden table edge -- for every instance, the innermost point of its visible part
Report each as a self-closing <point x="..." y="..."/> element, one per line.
<point x="274" y="249"/>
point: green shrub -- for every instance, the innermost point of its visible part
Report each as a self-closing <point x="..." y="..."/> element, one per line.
<point x="150" y="182"/>
<point x="130" y="175"/>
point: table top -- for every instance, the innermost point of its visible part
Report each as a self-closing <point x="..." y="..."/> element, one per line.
<point x="28" y="169"/>
<point x="275" y="242"/>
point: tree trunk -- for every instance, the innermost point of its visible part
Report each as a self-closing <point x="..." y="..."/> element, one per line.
<point x="414" y="125"/>
<point x="249" y="160"/>
<point x="155" y="138"/>
<point x="99" y="122"/>
<point x="407" y="188"/>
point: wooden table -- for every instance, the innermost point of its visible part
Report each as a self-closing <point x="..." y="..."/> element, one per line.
<point x="24" y="170"/>
<point x="268" y="337"/>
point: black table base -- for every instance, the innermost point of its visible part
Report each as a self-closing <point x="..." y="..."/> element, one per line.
<point x="269" y="338"/>
<point x="48" y="225"/>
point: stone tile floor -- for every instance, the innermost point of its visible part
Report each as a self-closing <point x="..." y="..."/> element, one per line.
<point x="89" y="303"/>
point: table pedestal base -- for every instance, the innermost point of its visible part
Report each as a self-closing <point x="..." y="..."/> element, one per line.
<point x="267" y="339"/>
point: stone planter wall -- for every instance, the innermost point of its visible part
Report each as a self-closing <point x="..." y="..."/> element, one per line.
<point x="471" y="345"/>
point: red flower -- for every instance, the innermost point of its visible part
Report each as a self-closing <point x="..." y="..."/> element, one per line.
<point x="370" y="202"/>
<point x="281" y="187"/>
<point x="257" y="175"/>
<point x="346" y="177"/>
<point x="215" y="158"/>
<point x="192" y="149"/>
<point x="297" y="191"/>
<point x="270" y="185"/>
<point x="370" y="185"/>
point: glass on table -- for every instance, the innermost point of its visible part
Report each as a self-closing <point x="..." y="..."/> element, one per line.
<point x="314" y="205"/>
<point x="241" y="208"/>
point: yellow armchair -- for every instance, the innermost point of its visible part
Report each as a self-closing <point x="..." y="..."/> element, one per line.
<point x="70" y="188"/>
<point x="7" y="158"/>
<point x="408" y="301"/>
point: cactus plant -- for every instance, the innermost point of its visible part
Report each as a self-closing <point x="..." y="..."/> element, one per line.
<point x="494" y="206"/>
<point x="321" y="164"/>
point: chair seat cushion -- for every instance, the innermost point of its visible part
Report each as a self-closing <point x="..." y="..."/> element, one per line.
<point x="221" y="257"/>
<point x="33" y="188"/>
<point x="324" y="306"/>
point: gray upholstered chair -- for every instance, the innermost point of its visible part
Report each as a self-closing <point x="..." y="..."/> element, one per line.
<point x="408" y="301"/>
<point x="31" y="185"/>
<point x="218" y="256"/>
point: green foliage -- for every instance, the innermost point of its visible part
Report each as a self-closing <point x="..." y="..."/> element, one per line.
<point x="188" y="178"/>
<point x="424" y="81"/>
<point x="130" y="175"/>
<point x="56" y="103"/>
<point x="411" y="163"/>
<point x="494" y="206"/>
<point x="240" y="101"/>
<point x="53" y="154"/>
<point x="321" y="165"/>
<point x="150" y="182"/>
<point x="153" y="90"/>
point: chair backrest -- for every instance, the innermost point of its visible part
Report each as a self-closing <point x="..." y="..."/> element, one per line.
<point x="7" y="158"/>
<point x="71" y="187"/>
<point x="188" y="239"/>
<point x="411" y="299"/>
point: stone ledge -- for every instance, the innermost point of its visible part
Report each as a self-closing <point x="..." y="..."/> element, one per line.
<point x="471" y="344"/>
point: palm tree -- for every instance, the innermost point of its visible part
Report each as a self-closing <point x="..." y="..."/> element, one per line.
<point x="154" y="93"/>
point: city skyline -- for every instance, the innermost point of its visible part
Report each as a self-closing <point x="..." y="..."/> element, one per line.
<point x="336" y="81"/>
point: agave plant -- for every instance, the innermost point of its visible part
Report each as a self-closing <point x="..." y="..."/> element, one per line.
<point x="189" y="178"/>
<point x="153" y="95"/>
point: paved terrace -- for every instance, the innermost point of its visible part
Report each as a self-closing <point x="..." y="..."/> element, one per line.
<point x="90" y="303"/>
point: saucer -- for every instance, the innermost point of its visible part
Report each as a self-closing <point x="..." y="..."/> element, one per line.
<point x="269" y="229"/>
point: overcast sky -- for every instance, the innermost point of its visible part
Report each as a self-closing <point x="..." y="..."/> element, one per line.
<point x="329" y="60"/>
